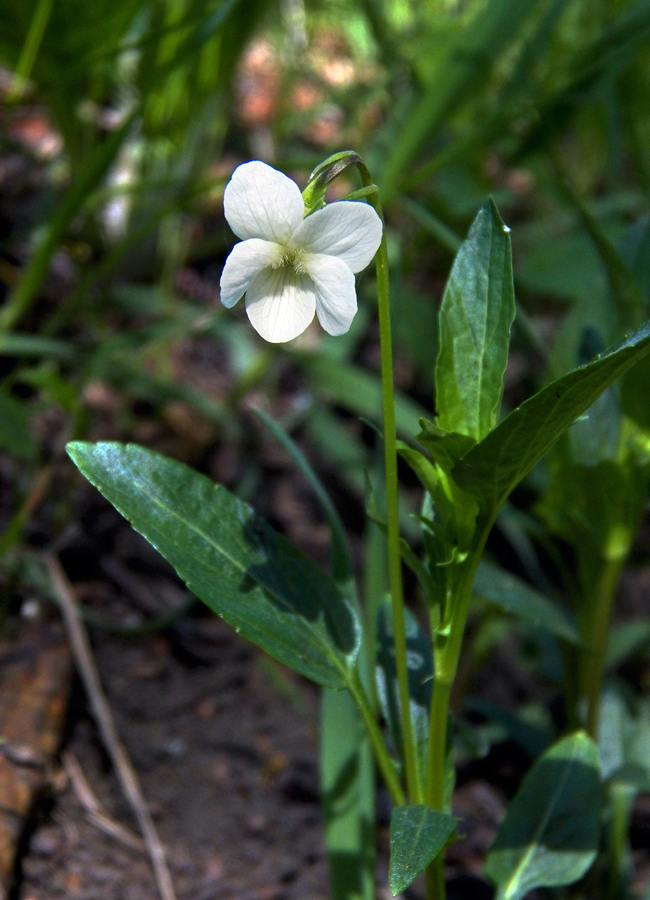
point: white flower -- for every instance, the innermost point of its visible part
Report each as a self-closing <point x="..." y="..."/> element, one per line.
<point x="289" y="266"/>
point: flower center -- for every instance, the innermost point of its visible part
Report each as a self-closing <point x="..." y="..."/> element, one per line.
<point x="291" y="258"/>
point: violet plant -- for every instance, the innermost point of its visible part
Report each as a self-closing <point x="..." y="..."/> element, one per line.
<point x="379" y="666"/>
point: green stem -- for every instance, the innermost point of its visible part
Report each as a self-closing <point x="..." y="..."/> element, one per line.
<point x="446" y="654"/>
<point x="438" y="740"/>
<point x="439" y="713"/>
<point x="411" y="767"/>
<point x="447" y="646"/>
<point x="594" y="625"/>
<point x="384" y="762"/>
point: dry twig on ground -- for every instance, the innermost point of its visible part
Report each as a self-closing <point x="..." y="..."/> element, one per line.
<point x="124" y="770"/>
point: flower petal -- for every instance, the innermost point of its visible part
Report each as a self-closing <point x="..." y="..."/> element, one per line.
<point x="245" y="262"/>
<point x="347" y="229"/>
<point x="336" y="297"/>
<point x="280" y="304"/>
<point x="260" y="202"/>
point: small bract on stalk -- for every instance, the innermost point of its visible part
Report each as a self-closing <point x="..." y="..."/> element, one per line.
<point x="291" y="266"/>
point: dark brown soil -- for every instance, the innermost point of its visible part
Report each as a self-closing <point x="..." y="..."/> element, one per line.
<point x="228" y="767"/>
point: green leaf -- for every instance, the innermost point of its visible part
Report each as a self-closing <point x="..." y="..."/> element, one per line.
<point x="494" y="466"/>
<point x="514" y="596"/>
<point x="421" y="466"/>
<point x="445" y="447"/>
<point x="252" y="577"/>
<point x="417" y="835"/>
<point x="478" y="308"/>
<point x="420" y="678"/>
<point x="348" y="791"/>
<point x="550" y="834"/>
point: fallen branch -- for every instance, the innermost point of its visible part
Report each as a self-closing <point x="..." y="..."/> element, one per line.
<point x="82" y="653"/>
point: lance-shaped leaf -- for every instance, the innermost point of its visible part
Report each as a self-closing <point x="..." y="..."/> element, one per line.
<point x="417" y="835"/>
<point x="549" y="836"/>
<point x="494" y="466"/>
<point x="477" y="311"/>
<point x="255" y="579"/>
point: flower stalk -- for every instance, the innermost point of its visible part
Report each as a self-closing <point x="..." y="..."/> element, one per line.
<point x="413" y="780"/>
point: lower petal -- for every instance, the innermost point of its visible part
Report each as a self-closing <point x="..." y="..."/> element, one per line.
<point x="245" y="262"/>
<point x="336" y="296"/>
<point x="280" y="304"/>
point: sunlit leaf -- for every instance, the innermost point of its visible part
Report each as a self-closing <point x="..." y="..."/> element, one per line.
<point x="417" y="835"/>
<point x="477" y="311"/>
<point x="241" y="568"/>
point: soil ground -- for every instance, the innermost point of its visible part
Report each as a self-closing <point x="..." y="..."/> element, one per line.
<point x="228" y="768"/>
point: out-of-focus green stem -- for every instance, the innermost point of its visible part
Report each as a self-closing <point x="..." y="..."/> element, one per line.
<point x="30" y="49"/>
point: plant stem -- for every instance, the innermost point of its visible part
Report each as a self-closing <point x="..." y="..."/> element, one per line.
<point x="438" y="740"/>
<point x="439" y="713"/>
<point x="30" y="49"/>
<point x="384" y="761"/>
<point x="413" y="782"/>
<point x="447" y="646"/>
<point x="596" y="610"/>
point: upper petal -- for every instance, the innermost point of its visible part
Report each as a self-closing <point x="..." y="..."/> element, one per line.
<point x="336" y="297"/>
<point x="348" y="229"/>
<point x="260" y="202"/>
<point x="280" y="304"/>
<point x="246" y="260"/>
